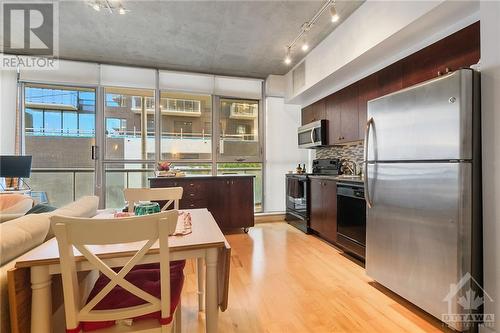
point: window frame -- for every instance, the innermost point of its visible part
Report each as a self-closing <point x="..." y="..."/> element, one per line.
<point x="217" y="133"/>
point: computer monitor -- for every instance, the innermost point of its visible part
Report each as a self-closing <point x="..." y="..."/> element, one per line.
<point x="15" y="166"/>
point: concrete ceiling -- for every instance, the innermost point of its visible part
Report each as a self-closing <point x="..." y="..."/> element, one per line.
<point x="239" y="38"/>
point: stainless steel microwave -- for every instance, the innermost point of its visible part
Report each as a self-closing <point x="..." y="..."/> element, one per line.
<point x="313" y="134"/>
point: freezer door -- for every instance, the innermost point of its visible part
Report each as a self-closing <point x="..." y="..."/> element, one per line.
<point x="430" y="121"/>
<point x="418" y="230"/>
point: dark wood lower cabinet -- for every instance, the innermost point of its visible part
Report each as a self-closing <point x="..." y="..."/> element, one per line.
<point x="230" y="199"/>
<point x="323" y="219"/>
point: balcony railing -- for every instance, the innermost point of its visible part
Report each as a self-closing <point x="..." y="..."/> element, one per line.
<point x="130" y="134"/>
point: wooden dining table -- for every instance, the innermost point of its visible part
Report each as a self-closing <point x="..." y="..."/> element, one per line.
<point x="206" y="243"/>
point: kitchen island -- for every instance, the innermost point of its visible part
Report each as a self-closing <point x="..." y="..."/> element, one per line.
<point x="230" y="198"/>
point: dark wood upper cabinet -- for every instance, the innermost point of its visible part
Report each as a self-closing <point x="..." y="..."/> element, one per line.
<point x="390" y="79"/>
<point x="313" y="112"/>
<point x="342" y="115"/>
<point x="458" y="50"/>
<point x="333" y="117"/>
<point x="367" y="90"/>
<point x="349" y="119"/>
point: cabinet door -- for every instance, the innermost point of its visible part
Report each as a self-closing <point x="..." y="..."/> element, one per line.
<point x="219" y="201"/>
<point x="367" y="90"/>
<point x="313" y="112"/>
<point x="333" y="117"/>
<point x="330" y="210"/>
<point x="460" y="49"/>
<point x="390" y="79"/>
<point x="307" y="115"/>
<point x="349" y="121"/>
<point x="317" y="215"/>
<point x="241" y="198"/>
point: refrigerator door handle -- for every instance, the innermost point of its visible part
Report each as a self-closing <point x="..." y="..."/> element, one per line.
<point x="368" y="200"/>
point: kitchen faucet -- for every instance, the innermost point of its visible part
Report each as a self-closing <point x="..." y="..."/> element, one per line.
<point x="350" y="166"/>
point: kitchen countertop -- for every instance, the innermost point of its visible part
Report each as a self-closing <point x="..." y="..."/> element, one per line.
<point x="205" y="176"/>
<point x="358" y="180"/>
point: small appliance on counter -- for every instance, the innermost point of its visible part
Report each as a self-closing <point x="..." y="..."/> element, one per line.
<point x="297" y="192"/>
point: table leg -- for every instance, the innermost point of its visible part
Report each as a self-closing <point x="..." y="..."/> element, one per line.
<point x="212" y="311"/>
<point x="201" y="280"/>
<point x="41" y="300"/>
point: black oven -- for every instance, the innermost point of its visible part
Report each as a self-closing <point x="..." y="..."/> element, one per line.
<point x="297" y="201"/>
<point x="351" y="218"/>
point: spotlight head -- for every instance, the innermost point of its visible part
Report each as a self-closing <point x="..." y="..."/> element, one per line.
<point x="333" y="13"/>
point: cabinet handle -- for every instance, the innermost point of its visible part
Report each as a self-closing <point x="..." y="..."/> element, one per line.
<point x="191" y="194"/>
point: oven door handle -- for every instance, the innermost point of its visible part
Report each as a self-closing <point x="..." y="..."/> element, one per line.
<point x="368" y="200"/>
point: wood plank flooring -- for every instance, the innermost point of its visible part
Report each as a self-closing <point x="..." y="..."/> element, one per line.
<point x="285" y="281"/>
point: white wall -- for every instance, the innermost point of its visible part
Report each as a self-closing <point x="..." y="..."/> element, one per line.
<point x="377" y="34"/>
<point x="282" y="152"/>
<point x="490" y="88"/>
<point x="8" y="91"/>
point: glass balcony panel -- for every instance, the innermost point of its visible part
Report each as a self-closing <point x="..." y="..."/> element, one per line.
<point x="121" y="176"/>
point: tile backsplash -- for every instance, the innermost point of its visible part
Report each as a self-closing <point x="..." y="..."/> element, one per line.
<point x="352" y="151"/>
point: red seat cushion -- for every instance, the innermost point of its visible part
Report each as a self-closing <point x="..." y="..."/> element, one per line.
<point x="145" y="277"/>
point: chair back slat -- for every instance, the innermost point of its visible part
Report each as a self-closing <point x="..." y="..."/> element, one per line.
<point x="79" y="233"/>
<point x="169" y="194"/>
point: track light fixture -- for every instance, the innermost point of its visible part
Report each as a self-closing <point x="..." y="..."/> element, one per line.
<point x="333" y="13"/>
<point x="306" y="26"/>
<point x="288" y="57"/>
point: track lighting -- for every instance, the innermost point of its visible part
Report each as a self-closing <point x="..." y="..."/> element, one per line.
<point x="333" y="14"/>
<point x="96" y="6"/>
<point x="122" y="11"/>
<point x="306" y="26"/>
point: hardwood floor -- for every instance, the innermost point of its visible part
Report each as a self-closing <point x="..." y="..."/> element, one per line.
<point x="285" y="281"/>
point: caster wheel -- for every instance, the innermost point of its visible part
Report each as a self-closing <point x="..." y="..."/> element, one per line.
<point x="245" y="230"/>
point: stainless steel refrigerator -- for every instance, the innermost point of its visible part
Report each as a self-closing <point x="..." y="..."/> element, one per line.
<point x="423" y="191"/>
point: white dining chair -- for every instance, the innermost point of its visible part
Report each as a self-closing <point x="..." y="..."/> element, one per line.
<point x="84" y="235"/>
<point x="169" y="194"/>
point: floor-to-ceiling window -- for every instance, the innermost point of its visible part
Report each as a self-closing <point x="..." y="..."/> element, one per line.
<point x="59" y="132"/>
<point x="188" y="124"/>
<point x="129" y="149"/>
<point x="239" y="147"/>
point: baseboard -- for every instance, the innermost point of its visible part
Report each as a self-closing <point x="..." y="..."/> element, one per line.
<point x="269" y="217"/>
